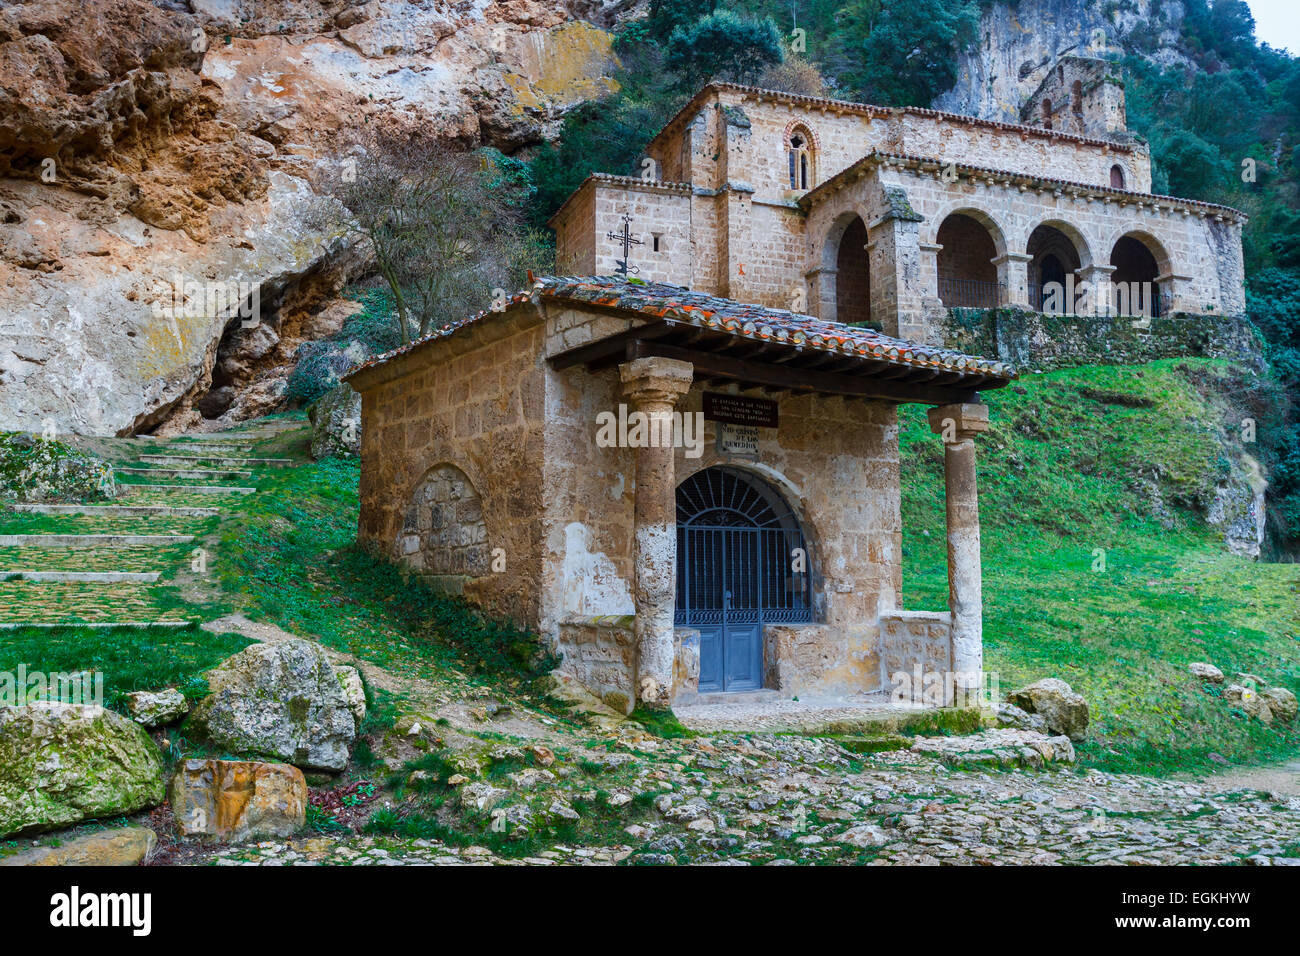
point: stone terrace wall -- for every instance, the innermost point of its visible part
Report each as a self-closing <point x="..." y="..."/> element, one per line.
<point x="1033" y="341"/>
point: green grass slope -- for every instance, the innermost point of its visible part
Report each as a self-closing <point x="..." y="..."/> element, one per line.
<point x="1120" y="463"/>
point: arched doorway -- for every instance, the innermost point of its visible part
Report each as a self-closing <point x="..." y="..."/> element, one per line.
<point x="853" y="275"/>
<point x="1133" y="283"/>
<point x="742" y="562"/>
<point x="967" y="276"/>
<point x="1053" y="257"/>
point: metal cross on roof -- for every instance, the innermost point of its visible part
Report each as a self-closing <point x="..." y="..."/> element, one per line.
<point x="626" y="238"/>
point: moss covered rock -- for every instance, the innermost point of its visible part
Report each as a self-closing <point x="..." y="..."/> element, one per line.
<point x="37" y="469"/>
<point x="281" y="700"/>
<point x="62" y="763"/>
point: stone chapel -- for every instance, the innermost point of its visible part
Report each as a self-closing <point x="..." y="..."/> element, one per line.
<point x="680" y="465"/>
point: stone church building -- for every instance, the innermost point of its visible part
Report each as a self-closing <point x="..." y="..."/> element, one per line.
<point x="681" y="467"/>
<point x="867" y="214"/>
<point x="753" y="541"/>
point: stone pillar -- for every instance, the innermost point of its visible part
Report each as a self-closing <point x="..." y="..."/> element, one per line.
<point x="958" y="425"/>
<point x="653" y="386"/>
<point x="1013" y="276"/>
<point x="821" y="293"/>
<point x="1100" y="291"/>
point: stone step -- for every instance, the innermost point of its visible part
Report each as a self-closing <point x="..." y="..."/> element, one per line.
<point x="222" y="462"/>
<point x="78" y="602"/>
<point x="119" y="511"/>
<point x="224" y="450"/>
<point x="125" y="489"/>
<point x="80" y="577"/>
<point x="96" y="625"/>
<point x="203" y="473"/>
<point x="141" y="558"/>
<point x="91" y="540"/>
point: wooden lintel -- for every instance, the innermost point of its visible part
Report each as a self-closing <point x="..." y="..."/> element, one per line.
<point x="763" y="374"/>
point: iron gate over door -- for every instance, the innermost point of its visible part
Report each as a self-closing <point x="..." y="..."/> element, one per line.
<point x="742" y="562"/>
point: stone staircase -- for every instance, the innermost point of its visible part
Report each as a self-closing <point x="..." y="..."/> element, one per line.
<point x="113" y="565"/>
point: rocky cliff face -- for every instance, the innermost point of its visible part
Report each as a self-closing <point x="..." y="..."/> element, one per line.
<point x="154" y="165"/>
<point x="1020" y="42"/>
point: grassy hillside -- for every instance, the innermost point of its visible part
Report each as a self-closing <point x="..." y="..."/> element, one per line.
<point x="1120" y="459"/>
<point x="1124" y="460"/>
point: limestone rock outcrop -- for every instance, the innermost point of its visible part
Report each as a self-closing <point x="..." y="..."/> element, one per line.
<point x="156" y="160"/>
<point x="63" y="763"/>
<point x="156" y="708"/>
<point x="281" y="700"/>
<point x="336" y="423"/>
<point x="230" y="801"/>
<point x="124" y="846"/>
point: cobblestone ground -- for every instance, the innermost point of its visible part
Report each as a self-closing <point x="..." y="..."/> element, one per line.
<point x="780" y="800"/>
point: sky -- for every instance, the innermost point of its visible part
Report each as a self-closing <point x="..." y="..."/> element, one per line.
<point x="1277" y="23"/>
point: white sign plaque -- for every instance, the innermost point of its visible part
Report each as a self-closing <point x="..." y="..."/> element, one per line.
<point x="739" y="440"/>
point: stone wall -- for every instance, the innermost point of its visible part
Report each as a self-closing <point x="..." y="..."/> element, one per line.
<point x="759" y="124"/>
<point x="600" y="654"/>
<point x="1033" y="341"/>
<point x="443" y="533"/>
<point x="452" y="419"/>
<point x="728" y="223"/>
<point x="914" y="644"/>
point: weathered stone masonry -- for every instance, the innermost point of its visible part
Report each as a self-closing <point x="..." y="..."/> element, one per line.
<point x="721" y="214"/>
<point x="480" y="444"/>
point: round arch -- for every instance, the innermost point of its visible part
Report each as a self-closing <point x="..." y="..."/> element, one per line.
<point x="743" y="561"/>
<point x="844" y="253"/>
<point x="1141" y="272"/>
<point x="986" y="219"/>
<point x="972" y="248"/>
<point x="443" y="530"/>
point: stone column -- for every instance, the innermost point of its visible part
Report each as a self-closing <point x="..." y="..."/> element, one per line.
<point x="653" y="386"/>
<point x="1100" y="290"/>
<point x="821" y="288"/>
<point x="958" y="425"/>
<point x="1013" y="275"/>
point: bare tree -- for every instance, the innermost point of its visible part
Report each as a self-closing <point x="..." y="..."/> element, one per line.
<point x="445" y="227"/>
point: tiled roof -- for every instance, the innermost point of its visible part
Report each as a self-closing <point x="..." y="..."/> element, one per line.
<point x="878" y="157"/>
<point x="679" y="305"/>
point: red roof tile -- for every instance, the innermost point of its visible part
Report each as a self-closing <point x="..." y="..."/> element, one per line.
<point x="684" y="306"/>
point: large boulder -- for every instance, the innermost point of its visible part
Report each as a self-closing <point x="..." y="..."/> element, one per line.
<point x="1206" y="672"/>
<point x="281" y="700"/>
<point x="229" y="801"/>
<point x="336" y="423"/>
<point x="1064" y="711"/>
<point x="41" y="470"/>
<point x="1281" y="702"/>
<point x="62" y="763"/>
<point x="1250" y="701"/>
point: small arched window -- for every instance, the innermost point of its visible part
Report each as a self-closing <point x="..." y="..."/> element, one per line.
<point x="1116" y="177"/>
<point x="1076" y="97"/>
<point x="1047" y="113"/>
<point x="800" y="156"/>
